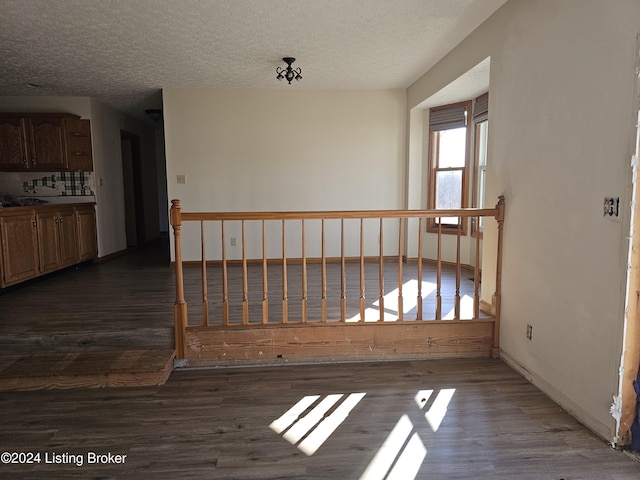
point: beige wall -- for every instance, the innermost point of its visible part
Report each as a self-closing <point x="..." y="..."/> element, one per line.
<point x="108" y="122"/>
<point x="287" y="149"/>
<point x="561" y="136"/>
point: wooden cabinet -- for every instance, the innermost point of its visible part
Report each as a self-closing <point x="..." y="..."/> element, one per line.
<point x="13" y="143"/>
<point x="44" y="142"/>
<point x="58" y="238"/>
<point x="19" y="247"/>
<point x="78" y="144"/>
<point x="48" y="244"/>
<point x="39" y="240"/>
<point x="87" y="235"/>
<point x="68" y="237"/>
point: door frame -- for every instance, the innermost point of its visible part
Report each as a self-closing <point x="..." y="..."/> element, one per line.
<point x="134" y="204"/>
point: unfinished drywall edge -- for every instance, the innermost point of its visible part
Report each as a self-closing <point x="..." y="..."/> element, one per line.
<point x="597" y="427"/>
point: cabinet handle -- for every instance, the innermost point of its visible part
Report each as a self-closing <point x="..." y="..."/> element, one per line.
<point x="34" y="224"/>
<point x="33" y="161"/>
<point x="55" y="219"/>
<point x="24" y="160"/>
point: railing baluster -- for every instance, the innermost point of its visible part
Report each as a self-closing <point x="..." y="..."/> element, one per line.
<point x="323" y="279"/>
<point x="205" y="299"/>
<point x="265" y="293"/>
<point x="381" y="275"/>
<point x="439" y="272"/>
<point x="225" y="286"/>
<point x="285" y="301"/>
<point x="343" y="279"/>
<point x="304" y="275"/>
<point x="362" y="293"/>
<point x="245" y="285"/>
<point x="400" y="242"/>
<point x="476" y="274"/>
<point x="419" y="299"/>
<point x="456" y="307"/>
<point x="497" y="296"/>
<point x="180" y="320"/>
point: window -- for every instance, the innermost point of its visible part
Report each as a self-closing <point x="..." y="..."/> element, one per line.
<point x="448" y="162"/>
<point x="481" y="124"/>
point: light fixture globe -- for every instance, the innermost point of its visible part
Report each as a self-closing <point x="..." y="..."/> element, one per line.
<point x="289" y="73"/>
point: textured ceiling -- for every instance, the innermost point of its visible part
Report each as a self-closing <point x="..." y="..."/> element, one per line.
<point x="124" y="52"/>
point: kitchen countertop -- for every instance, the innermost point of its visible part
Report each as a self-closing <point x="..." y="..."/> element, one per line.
<point x="23" y="209"/>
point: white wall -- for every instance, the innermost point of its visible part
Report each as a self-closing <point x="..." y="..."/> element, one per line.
<point x="561" y="134"/>
<point x="106" y="125"/>
<point x="270" y="150"/>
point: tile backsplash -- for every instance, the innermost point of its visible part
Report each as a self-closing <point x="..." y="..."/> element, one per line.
<point x="67" y="183"/>
<point x="41" y="184"/>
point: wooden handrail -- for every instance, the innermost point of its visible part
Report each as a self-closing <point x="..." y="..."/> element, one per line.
<point x="178" y="217"/>
<point x="338" y="214"/>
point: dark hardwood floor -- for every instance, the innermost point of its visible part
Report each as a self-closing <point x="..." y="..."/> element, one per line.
<point x="125" y="303"/>
<point x="435" y="419"/>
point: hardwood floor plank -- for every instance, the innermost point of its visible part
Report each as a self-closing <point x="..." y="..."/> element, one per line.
<point x="214" y="423"/>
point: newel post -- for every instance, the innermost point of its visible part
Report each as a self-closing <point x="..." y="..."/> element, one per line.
<point x="180" y="307"/>
<point x="497" y="296"/>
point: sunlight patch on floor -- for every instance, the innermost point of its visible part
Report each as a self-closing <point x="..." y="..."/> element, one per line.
<point x="409" y="302"/>
<point x="403" y="452"/>
<point x="310" y="429"/>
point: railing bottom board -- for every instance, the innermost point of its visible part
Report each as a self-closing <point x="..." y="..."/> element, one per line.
<point x="342" y="341"/>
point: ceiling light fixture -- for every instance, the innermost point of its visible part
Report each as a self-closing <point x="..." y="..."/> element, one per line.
<point x="154" y="114"/>
<point x="289" y="73"/>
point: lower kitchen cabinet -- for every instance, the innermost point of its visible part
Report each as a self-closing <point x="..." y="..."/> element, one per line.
<point x="41" y="239"/>
<point x="87" y="236"/>
<point x="19" y="247"/>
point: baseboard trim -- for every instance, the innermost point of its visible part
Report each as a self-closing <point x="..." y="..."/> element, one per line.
<point x="607" y="434"/>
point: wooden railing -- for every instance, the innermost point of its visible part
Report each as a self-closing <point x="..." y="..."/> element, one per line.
<point x="179" y="218"/>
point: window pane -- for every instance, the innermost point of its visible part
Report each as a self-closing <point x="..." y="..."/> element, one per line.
<point x="449" y="193"/>
<point x="482" y="130"/>
<point x="452" y="151"/>
<point x="481" y="189"/>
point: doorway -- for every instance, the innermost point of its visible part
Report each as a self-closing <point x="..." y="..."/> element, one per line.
<point x="133" y="193"/>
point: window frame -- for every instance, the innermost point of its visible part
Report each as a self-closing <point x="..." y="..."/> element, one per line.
<point x="434" y="140"/>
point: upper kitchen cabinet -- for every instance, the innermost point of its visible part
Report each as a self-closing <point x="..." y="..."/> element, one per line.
<point x="78" y="144"/>
<point x="13" y="143"/>
<point x="48" y="142"/>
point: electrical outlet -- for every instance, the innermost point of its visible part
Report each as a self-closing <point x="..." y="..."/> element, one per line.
<point x="529" y="331"/>
<point x="181" y="179"/>
<point x="611" y="206"/>
<point x="233" y="241"/>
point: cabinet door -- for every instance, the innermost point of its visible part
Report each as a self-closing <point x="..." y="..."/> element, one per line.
<point x="47" y="142"/>
<point x="87" y="236"/>
<point x="68" y="237"/>
<point x="48" y="243"/>
<point x="13" y="144"/>
<point x="19" y="248"/>
<point x="78" y="144"/>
